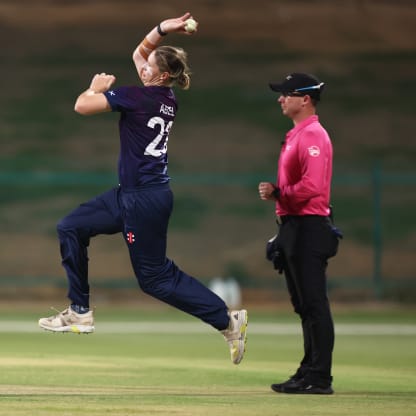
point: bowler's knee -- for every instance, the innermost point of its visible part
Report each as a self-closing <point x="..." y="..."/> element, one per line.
<point x="68" y="229"/>
<point x="155" y="282"/>
<point x="64" y="226"/>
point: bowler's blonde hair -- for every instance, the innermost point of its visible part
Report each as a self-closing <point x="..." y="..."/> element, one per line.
<point x="173" y="60"/>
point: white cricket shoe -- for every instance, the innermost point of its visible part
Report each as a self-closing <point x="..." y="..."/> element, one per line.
<point x="235" y="335"/>
<point x="69" y="321"/>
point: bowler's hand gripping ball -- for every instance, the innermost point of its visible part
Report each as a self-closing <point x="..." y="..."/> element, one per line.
<point x="190" y="25"/>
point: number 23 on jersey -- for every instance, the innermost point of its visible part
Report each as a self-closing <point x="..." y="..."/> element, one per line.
<point x="159" y="145"/>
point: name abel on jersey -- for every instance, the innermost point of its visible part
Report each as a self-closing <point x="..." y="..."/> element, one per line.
<point x="167" y="110"/>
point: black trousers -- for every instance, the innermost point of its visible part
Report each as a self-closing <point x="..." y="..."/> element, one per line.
<point x="307" y="243"/>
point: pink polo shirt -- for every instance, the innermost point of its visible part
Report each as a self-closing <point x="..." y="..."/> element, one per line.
<point x="305" y="170"/>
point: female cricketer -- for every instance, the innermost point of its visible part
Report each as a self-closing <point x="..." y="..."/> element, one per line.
<point x="141" y="205"/>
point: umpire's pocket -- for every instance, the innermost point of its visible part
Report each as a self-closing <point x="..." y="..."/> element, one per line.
<point x="333" y="237"/>
<point x="275" y="254"/>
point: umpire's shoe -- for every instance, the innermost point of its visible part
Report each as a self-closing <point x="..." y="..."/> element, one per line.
<point x="305" y="386"/>
<point x="236" y="336"/>
<point x="279" y="387"/>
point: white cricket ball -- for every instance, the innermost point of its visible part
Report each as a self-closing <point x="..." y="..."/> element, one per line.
<point x="190" y="25"/>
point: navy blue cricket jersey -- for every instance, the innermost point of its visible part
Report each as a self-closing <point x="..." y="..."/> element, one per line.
<point x="147" y="115"/>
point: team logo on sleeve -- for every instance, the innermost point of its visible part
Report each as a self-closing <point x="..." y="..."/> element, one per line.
<point x="314" y="151"/>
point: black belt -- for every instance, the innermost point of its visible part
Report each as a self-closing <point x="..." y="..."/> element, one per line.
<point x="281" y="219"/>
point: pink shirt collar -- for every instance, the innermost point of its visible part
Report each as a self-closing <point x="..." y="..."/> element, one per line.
<point x="311" y="119"/>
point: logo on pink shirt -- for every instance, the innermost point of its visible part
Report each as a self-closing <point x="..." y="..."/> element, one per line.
<point x="314" y="151"/>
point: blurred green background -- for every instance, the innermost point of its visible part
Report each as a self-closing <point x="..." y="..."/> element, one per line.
<point x="225" y="140"/>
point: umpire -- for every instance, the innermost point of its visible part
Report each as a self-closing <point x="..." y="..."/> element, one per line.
<point x="306" y="237"/>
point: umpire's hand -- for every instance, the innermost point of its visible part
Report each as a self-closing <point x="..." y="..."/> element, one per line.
<point x="266" y="191"/>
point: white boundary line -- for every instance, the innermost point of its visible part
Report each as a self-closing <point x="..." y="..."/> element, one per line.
<point x="176" y="327"/>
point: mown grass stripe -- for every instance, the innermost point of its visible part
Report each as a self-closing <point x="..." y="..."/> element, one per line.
<point x="199" y="327"/>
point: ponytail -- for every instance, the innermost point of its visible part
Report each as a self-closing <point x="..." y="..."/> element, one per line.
<point x="174" y="61"/>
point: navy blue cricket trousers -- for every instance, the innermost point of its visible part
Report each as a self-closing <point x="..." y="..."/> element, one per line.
<point x="142" y="215"/>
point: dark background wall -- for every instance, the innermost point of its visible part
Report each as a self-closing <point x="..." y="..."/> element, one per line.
<point x="226" y="137"/>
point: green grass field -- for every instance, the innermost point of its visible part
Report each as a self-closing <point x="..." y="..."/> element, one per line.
<point x="163" y="362"/>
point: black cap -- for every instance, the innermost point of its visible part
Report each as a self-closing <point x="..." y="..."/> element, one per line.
<point x="300" y="84"/>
